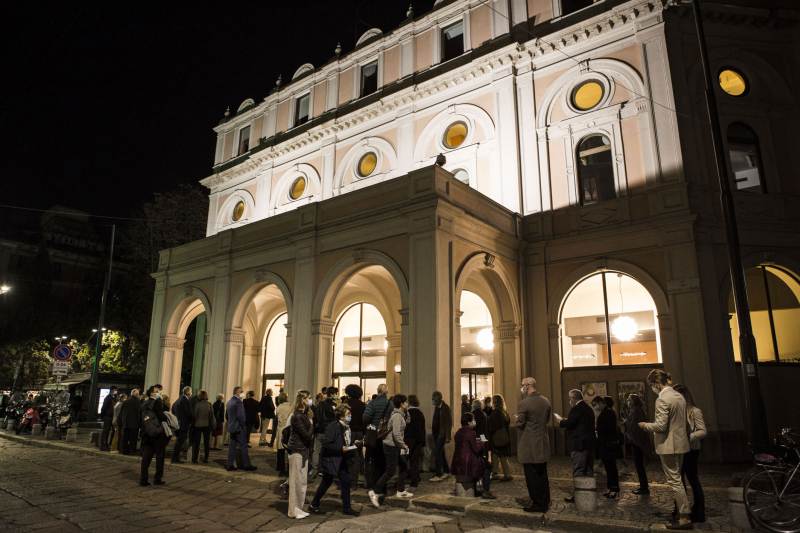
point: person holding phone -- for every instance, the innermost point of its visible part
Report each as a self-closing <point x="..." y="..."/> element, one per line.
<point x="338" y="453"/>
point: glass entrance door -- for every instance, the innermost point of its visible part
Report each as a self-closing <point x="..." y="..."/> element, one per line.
<point x="477" y="383"/>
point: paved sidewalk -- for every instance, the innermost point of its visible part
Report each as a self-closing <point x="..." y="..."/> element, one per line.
<point x="628" y="513"/>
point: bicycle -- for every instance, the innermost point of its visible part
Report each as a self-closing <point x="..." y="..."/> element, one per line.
<point x="772" y="493"/>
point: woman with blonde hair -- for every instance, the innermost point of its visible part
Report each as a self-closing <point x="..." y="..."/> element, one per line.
<point x="497" y="429"/>
<point x="301" y="442"/>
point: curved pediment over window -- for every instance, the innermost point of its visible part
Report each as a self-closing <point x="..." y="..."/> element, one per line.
<point x="369" y="34"/>
<point x="307" y="67"/>
<point x="244" y="105"/>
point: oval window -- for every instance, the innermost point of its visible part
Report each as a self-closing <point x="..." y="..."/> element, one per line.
<point x="455" y="134"/>
<point x="238" y="211"/>
<point x="732" y="82"/>
<point x="587" y="95"/>
<point x="367" y="164"/>
<point x="462" y="175"/>
<point x="298" y="188"/>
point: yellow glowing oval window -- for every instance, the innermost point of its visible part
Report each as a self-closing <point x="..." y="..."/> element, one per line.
<point x="367" y="164"/>
<point x="587" y="95"/>
<point x="455" y="134"/>
<point x="732" y="82"/>
<point x="238" y="211"/>
<point x="298" y="188"/>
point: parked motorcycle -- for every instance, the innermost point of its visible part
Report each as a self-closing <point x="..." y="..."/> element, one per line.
<point x="30" y="418"/>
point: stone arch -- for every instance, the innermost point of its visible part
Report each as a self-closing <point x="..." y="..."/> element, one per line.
<point x="386" y="165"/>
<point x="367" y="276"/>
<point x="476" y="118"/>
<point x="254" y="305"/>
<point x="280" y="200"/>
<point x="225" y="213"/>
<point x="482" y="274"/>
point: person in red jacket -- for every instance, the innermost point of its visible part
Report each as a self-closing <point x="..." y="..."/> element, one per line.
<point x="468" y="466"/>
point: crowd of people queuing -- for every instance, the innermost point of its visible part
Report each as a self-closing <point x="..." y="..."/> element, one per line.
<point x="354" y="443"/>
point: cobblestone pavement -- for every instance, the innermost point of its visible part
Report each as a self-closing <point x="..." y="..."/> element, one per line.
<point x="208" y="494"/>
<point x="44" y="489"/>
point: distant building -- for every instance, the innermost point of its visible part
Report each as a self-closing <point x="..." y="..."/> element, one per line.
<point x="572" y="234"/>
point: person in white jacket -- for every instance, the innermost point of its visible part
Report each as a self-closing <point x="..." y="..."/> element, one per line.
<point x="396" y="452"/>
<point x="671" y="440"/>
<point x="283" y="412"/>
<point x="697" y="432"/>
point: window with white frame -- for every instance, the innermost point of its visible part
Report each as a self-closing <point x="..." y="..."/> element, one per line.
<point x="369" y="78"/>
<point x="244" y="140"/>
<point x="302" y="109"/>
<point x="595" y="169"/>
<point x="452" y="44"/>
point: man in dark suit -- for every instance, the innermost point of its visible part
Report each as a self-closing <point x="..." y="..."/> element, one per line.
<point x="107" y="415"/>
<point x="130" y="420"/>
<point x="357" y="427"/>
<point x="441" y="430"/>
<point x="182" y="409"/>
<point x="415" y="440"/>
<point x="267" y="408"/>
<point x="251" y="415"/>
<point x="580" y="435"/>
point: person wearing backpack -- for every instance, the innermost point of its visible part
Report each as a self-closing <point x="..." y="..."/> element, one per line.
<point x="395" y="450"/>
<point x="323" y="416"/>
<point x="154" y="440"/>
<point x="300" y="444"/>
<point x="376" y="411"/>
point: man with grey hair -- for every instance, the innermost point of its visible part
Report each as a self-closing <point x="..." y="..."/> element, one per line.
<point x="533" y="450"/>
<point x="580" y="435"/>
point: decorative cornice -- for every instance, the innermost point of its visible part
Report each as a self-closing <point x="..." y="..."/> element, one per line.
<point x="322" y="327"/>
<point x="508" y="331"/>
<point x="172" y="343"/>
<point x="234" y="336"/>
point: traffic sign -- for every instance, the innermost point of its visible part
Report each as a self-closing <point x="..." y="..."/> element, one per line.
<point x="62" y="352"/>
<point x="60" y="368"/>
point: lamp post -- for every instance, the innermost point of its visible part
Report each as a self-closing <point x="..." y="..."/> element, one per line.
<point x="100" y="328"/>
<point x="754" y="406"/>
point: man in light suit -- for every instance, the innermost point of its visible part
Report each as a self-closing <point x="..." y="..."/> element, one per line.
<point x="669" y="430"/>
<point x="533" y="448"/>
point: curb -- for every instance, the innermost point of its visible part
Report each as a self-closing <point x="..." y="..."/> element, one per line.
<point x="58" y="445"/>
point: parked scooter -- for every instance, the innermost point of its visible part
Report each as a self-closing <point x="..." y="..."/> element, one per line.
<point x="30" y="418"/>
<point x="14" y="413"/>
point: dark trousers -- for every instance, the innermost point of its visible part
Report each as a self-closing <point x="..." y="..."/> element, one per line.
<point x="538" y="485"/>
<point x="487" y="473"/>
<point x="415" y="463"/>
<point x="149" y="449"/>
<point x="344" y="486"/>
<point x="355" y="466"/>
<point x="196" y="434"/>
<point x="130" y="436"/>
<point x="180" y="441"/>
<point x="582" y="462"/>
<point x="280" y="462"/>
<point x="106" y="433"/>
<point x="238" y="440"/>
<point x="689" y="473"/>
<point x="439" y="460"/>
<point x="609" y="458"/>
<point x="376" y="464"/>
<point x="638" y="459"/>
<point x="274" y="429"/>
<point x="394" y="461"/>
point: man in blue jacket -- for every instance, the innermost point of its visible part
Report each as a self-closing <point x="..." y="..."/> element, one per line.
<point x="376" y="410"/>
<point x="182" y="409"/>
<point x="237" y="427"/>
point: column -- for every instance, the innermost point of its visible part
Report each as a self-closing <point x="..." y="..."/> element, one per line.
<point x="251" y="369"/>
<point x="170" y="378"/>
<point x="301" y="363"/>
<point x="508" y="360"/>
<point x="214" y="367"/>
<point x="394" y="357"/>
<point x="199" y="352"/>
<point x="508" y="180"/>
<point x="155" y="348"/>
<point x="322" y="344"/>
<point x="234" y="354"/>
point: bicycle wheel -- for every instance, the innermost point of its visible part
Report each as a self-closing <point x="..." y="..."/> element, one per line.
<point x="770" y="505"/>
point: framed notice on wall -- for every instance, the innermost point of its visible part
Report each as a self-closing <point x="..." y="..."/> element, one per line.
<point x="592" y="389"/>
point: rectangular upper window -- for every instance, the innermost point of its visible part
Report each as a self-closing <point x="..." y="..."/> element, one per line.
<point x="571" y="6"/>
<point x="301" y="109"/>
<point x="369" y="78"/>
<point x="244" y="140"/>
<point x="453" y="40"/>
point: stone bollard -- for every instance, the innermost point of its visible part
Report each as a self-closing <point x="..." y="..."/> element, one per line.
<point x="36" y="429"/>
<point x="12" y="424"/>
<point x="739" y="516"/>
<point x="94" y="438"/>
<point x="50" y="433"/>
<point x="463" y="491"/>
<point x="585" y="494"/>
<point x="72" y="435"/>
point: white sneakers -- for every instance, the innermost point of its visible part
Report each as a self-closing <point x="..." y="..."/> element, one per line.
<point x="299" y="514"/>
<point x="373" y="499"/>
<point x="404" y="494"/>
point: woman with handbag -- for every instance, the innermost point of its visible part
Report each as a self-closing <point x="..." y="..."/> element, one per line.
<point x="608" y="444"/>
<point x="499" y="434"/>
<point x="468" y="465"/>
<point x="301" y="442"/>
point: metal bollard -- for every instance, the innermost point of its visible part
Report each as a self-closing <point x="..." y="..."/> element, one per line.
<point x="585" y="493"/>
<point x="12" y="424"/>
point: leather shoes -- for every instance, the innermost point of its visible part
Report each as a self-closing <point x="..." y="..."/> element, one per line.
<point x="159" y="482"/>
<point x="314" y="510"/>
<point x="533" y="510"/>
<point x="249" y="468"/>
<point x="350" y="512"/>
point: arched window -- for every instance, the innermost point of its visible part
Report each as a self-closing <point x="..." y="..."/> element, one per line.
<point x="275" y="353"/>
<point x="595" y="170"/>
<point x="477" y="346"/>
<point x="609" y="309"/>
<point x="745" y="158"/>
<point x="774" y="297"/>
<point x="359" y="347"/>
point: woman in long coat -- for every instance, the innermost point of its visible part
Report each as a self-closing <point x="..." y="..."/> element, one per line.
<point x="337" y="458"/>
<point x="467" y="466"/>
<point x="499" y="435"/>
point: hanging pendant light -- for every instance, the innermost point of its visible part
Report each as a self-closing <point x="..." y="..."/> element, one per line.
<point x="623" y="327"/>
<point x="485" y="339"/>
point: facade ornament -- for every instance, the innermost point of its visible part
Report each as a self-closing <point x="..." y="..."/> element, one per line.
<point x="227" y="112"/>
<point x="441" y="160"/>
<point x="188" y="290"/>
<point x="410" y="10"/>
<point x="488" y="260"/>
<point x="279" y="81"/>
<point x="338" y="49"/>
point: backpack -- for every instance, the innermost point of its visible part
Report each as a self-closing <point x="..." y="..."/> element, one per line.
<point x="150" y="424"/>
<point x="373" y="436"/>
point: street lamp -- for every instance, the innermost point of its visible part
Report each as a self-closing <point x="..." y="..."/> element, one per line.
<point x="5" y="288"/>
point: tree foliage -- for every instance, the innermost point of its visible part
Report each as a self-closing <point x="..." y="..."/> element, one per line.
<point x="26" y="361"/>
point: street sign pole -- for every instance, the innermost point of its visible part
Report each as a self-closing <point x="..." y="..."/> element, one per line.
<point x="100" y="326"/>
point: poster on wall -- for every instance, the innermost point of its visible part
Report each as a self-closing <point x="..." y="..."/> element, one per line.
<point x="593" y="389"/>
<point x="624" y="388"/>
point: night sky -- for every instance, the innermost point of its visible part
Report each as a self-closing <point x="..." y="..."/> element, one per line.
<point x="105" y="104"/>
